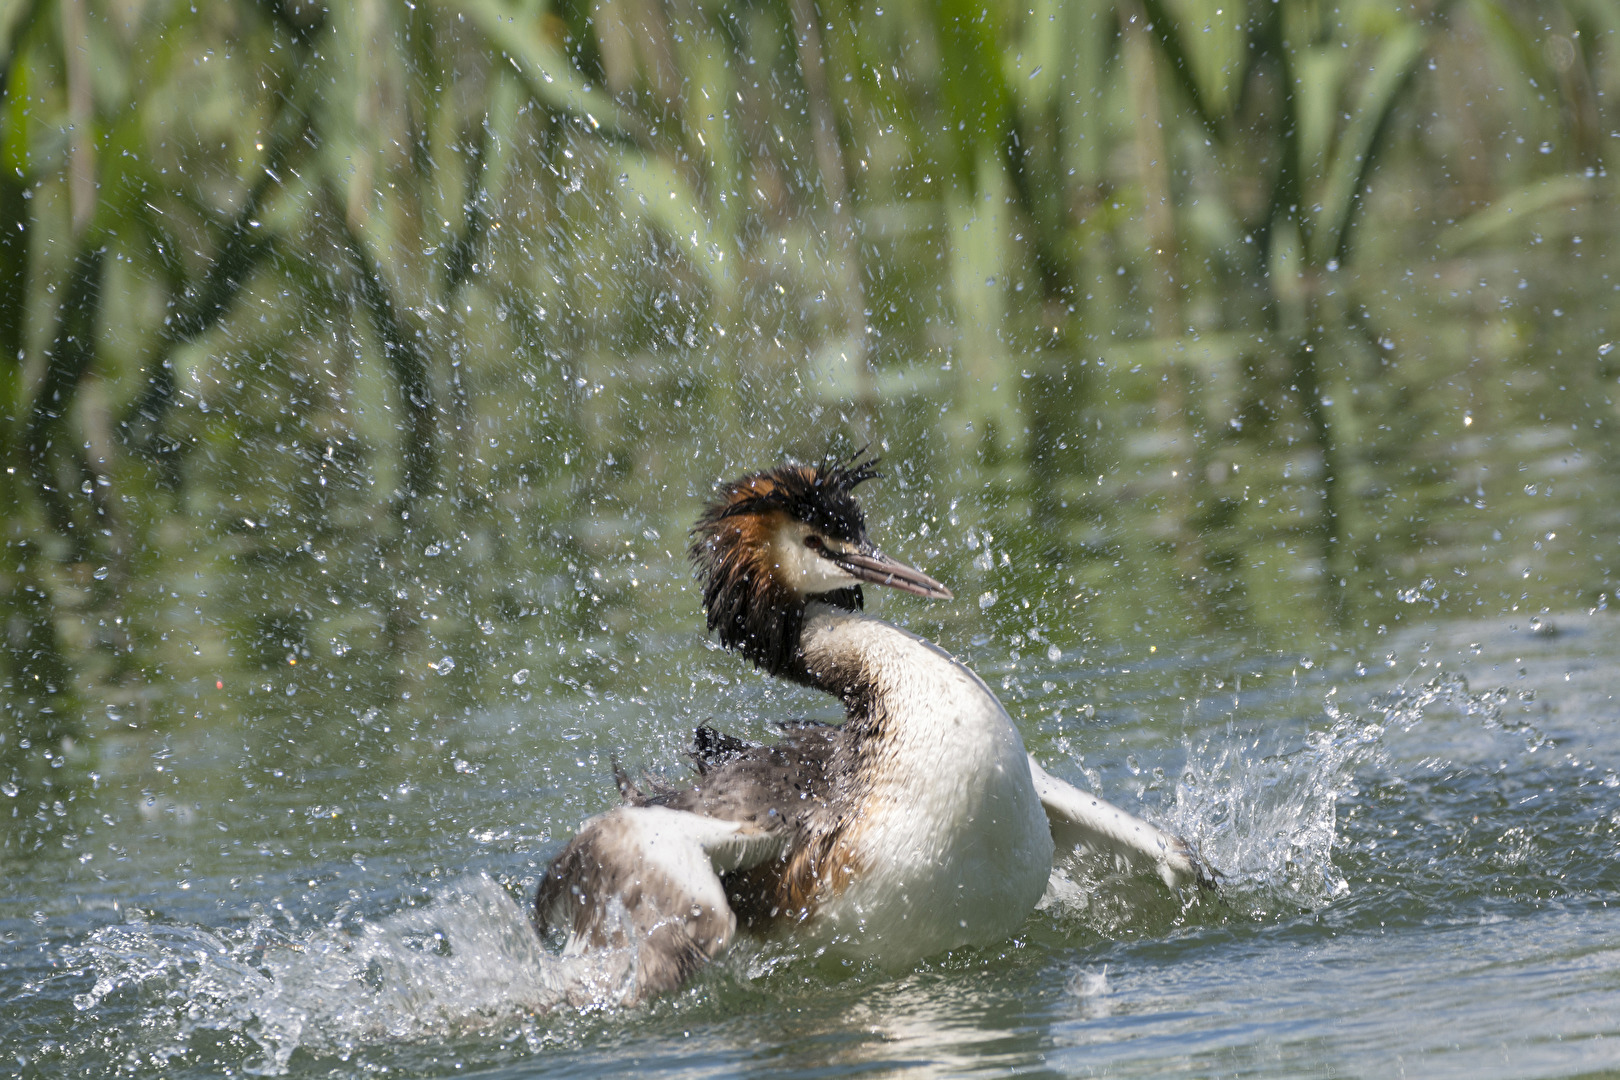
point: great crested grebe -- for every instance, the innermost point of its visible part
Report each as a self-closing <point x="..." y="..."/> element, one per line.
<point x="918" y="825"/>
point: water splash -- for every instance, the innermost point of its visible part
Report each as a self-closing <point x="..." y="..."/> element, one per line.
<point x="1268" y="821"/>
<point x="1404" y="707"/>
<point x="467" y="963"/>
<point x="1265" y="821"/>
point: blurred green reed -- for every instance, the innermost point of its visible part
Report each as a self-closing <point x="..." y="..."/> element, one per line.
<point x="364" y="347"/>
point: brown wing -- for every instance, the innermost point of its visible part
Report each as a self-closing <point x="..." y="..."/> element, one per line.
<point x="648" y="878"/>
<point x="779" y="786"/>
<point x="636" y="875"/>
<point x="802" y="786"/>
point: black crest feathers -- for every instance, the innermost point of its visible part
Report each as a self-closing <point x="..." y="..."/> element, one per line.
<point x="749" y="611"/>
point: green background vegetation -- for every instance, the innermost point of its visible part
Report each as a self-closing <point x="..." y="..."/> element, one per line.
<point x="374" y="355"/>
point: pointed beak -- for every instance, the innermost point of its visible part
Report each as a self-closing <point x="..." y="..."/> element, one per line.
<point x="879" y="569"/>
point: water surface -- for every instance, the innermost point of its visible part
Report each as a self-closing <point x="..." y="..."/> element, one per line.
<point x="1419" y="862"/>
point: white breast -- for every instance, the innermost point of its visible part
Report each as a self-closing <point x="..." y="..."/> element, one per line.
<point x="952" y="846"/>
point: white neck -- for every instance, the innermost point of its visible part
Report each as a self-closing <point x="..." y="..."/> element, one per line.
<point x="927" y="718"/>
<point x="944" y="812"/>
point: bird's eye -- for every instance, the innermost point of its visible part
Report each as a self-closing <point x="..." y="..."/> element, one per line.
<point x="814" y="543"/>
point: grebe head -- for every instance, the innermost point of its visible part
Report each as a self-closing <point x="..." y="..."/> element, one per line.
<point x="769" y="543"/>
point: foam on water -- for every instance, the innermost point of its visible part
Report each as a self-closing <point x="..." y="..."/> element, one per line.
<point x="468" y="962"/>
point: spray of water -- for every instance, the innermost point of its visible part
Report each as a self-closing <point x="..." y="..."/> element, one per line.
<point x="1267" y="816"/>
<point x="469" y="962"/>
